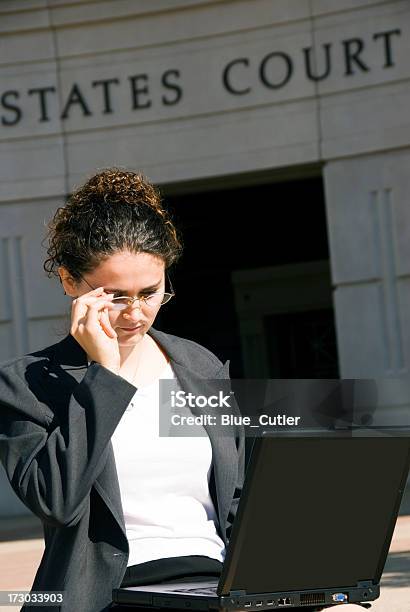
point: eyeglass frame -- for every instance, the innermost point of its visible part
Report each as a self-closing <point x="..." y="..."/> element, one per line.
<point x="135" y="298"/>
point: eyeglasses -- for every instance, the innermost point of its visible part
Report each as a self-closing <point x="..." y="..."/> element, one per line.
<point x="151" y="300"/>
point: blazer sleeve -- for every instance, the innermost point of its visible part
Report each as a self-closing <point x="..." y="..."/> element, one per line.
<point x="52" y="466"/>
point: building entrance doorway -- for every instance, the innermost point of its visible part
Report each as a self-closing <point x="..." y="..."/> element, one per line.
<point x="254" y="284"/>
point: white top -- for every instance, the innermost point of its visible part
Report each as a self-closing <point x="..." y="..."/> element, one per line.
<point x="164" y="482"/>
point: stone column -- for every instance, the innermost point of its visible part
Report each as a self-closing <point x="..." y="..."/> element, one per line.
<point x="368" y="211"/>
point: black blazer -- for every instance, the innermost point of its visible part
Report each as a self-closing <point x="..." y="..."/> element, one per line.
<point x="57" y="416"/>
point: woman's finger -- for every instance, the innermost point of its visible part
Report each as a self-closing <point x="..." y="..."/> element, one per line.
<point x="91" y="294"/>
<point x="106" y="324"/>
<point x="81" y="304"/>
<point x="87" y="312"/>
<point x="88" y="299"/>
<point x="95" y="309"/>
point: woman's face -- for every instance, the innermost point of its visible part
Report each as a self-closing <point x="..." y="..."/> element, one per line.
<point x="126" y="274"/>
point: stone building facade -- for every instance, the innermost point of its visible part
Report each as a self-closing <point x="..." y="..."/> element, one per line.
<point x="219" y="95"/>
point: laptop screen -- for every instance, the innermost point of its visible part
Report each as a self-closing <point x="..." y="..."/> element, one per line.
<point x="319" y="513"/>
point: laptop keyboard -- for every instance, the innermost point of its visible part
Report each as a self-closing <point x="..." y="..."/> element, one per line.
<point x="198" y="590"/>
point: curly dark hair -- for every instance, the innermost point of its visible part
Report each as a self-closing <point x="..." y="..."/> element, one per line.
<point x="114" y="210"/>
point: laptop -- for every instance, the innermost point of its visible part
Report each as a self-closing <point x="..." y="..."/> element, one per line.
<point x="313" y="526"/>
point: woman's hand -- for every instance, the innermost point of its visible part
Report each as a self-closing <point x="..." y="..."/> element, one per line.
<point x="91" y="327"/>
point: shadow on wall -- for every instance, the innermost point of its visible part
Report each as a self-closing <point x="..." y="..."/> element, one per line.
<point x="27" y="527"/>
<point x="10" y="504"/>
<point x="16" y="521"/>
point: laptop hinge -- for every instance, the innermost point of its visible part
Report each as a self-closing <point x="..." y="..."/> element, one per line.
<point x="365" y="584"/>
<point x="237" y="593"/>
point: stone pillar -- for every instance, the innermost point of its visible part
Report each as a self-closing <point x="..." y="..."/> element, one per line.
<point x="368" y="210"/>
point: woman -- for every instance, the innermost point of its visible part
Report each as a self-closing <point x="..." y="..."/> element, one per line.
<point x="79" y="419"/>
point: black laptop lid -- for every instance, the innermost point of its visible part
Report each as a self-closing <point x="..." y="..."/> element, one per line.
<point x="316" y="512"/>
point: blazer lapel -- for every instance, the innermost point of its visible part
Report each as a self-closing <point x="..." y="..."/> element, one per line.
<point x="72" y="358"/>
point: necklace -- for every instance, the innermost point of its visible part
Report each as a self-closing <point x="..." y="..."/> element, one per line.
<point x="138" y="362"/>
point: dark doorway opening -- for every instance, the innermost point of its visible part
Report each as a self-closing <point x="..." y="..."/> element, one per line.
<point x="302" y="345"/>
<point x="240" y="229"/>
